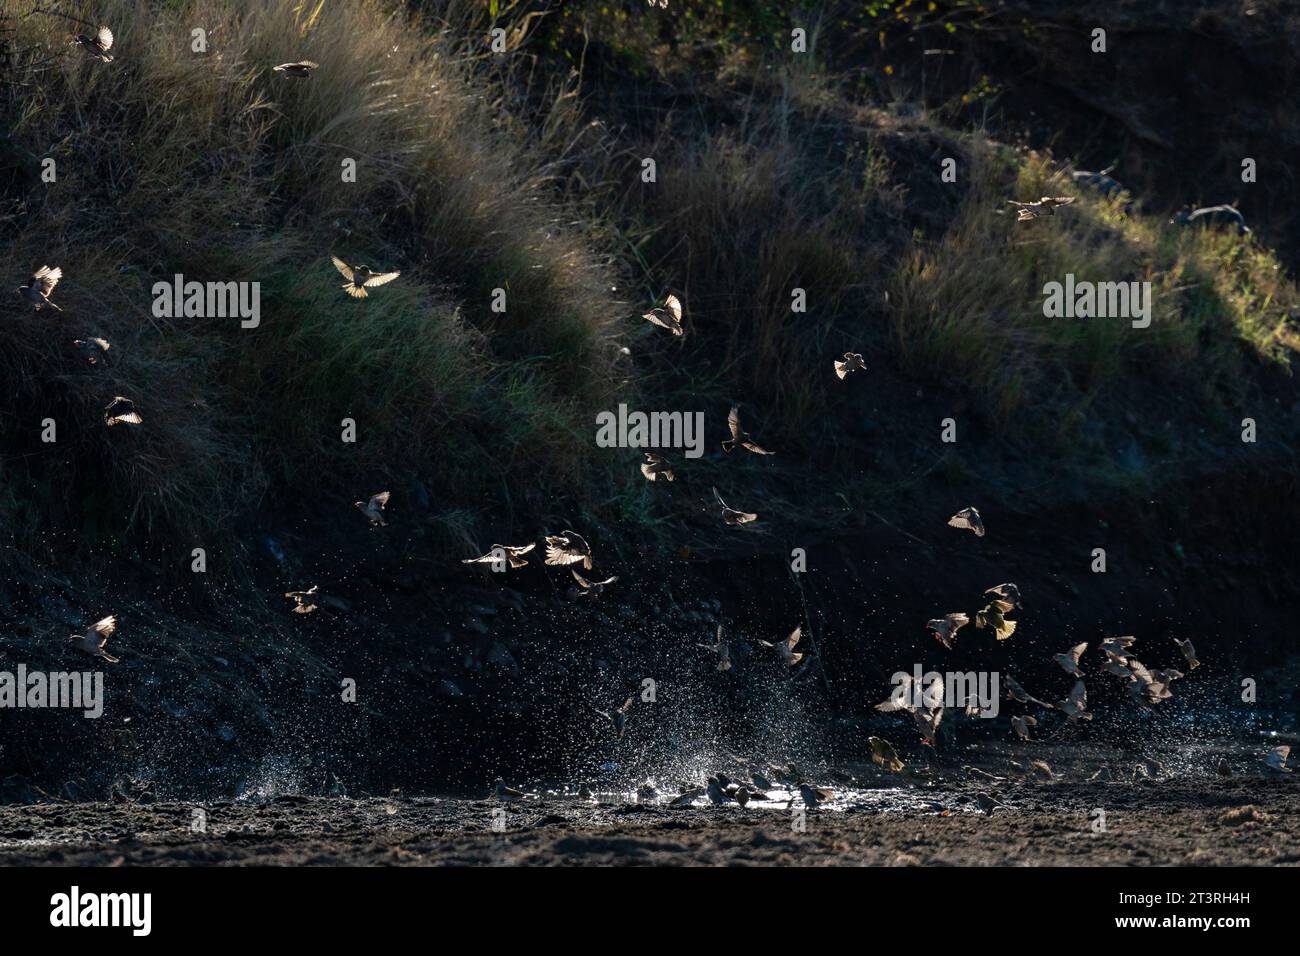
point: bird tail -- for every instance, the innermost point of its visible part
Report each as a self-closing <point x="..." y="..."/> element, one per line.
<point x="109" y="657"/>
<point x="668" y="475"/>
<point x="53" y="306"/>
<point x="356" y="291"/>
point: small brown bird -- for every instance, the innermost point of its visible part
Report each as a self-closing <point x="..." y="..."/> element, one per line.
<point x="668" y="317"/>
<point x="927" y="724"/>
<point x="740" y="436"/>
<point x="304" y="601"/>
<point x="731" y="515"/>
<point x="814" y="797"/>
<point x="852" y="363"/>
<point x="94" y="351"/>
<point x="1075" y="706"/>
<point x="1007" y="592"/>
<point x="121" y="411"/>
<point x="568" y="548"/>
<point x="39" y="286"/>
<point x="1043" y="207"/>
<point x="1277" y="758"/>
<point x="1114" y="665"/>
<point x="300" y="70"/>
<point x="510" y="555"/>
<point x="786" y="648"/>
<point x="98" y="45"/>
<point x="1070" y="662"/>
<point x="722" y="649"/>
<point x="96" y="637"/>
<point x="1016" y="692"/>
<point x="944" y="629"/>
<point x="360" y="278"/>
<point x="374" y="509"/>
<point x="1021" y="726"/>
<point x="618" y="717"/>
<point x="1167" y="675"/>
<point x="1189" y="652"/>
<point x="591" y="589"/>
<point x="508" y="794"/>
<point x="883" y="753"/>
<point x="1118" y="647"/>
<point x="968" y="518"/>
<point x="991" y="615"/>
<point x="656" y="465"/>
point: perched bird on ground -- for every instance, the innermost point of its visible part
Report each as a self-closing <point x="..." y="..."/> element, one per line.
<point x="1021" y="726"/>
<point x="568" y="548"/>
<point x="1153" y="768"/>
<point x="991" y="615"/>
<point x="1189" y="652"/>
<point x="374" y="509"/>
<point x="360" y="278"/>
<point x="592" y="589"/>
<point x="731" y="515"/>
<point x="1213" y="216"/>
<point x="944" y="629"/>
<point x="968" y="518"/>
<point x="96" y="637"/>
<point x="508" y="794"/>
<point x="1043" y="207"/>
<point x="121" y="411"/>
<point x="1070" y="662"/>
<point x="669" y="316"/>
<point x="740" y="436"/>
<point x="1075" y="706"/>
<point x="1007" y="592"/>
<point x="814" y="797"/>
<point x="656" y="465"/>
<point x="512" y="555"/>
<point x="717" y="794"/>
<point x="722" y="649"/>
<point x="988" y="804"/>
<point x="852" y="363"/>
<point x="786" y="648"/>
<point x="98" y="45"/>
<point x="1016" y="692"/>
<point x="884" y="755"/>
<point x="618" y="716"/>
<point x="39" y="287"/>
<point x="94" y="351"/>
<point x="304" y="601"/>
<point x="1223" y="769"/>
<point x="300" y="70"/>
<point x="1277" y="758"/>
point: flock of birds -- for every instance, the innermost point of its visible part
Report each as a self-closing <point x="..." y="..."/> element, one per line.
<point x="1146" y="687"/>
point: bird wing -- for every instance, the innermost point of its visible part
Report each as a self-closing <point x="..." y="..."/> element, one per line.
<point x="1076" y="652"/>
<point x="1057" y="200"/>
<point x="517" y="551"/>
<point x="580" y="579"/>
<point x="793" y="639"/>
<point x="733" y="421"/>
<point x="382" y="279"/>
<point x="47" y="278"/>
<point x="1021" y="205"/>
<point x="674" y="306"/>
<point x="719" y="499"/>
<point x="839" y="368"/>
<point x="756" y="448"/>
<point x="627" y="704"/>
<point x="104" y="626"/>
<point x="1079" y="695"/>
<point x="104" y="38"/>
<point x="339" y="264"/>
<point x="380" y="499"/>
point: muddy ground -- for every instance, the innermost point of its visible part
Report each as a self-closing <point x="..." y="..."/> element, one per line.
<point x="1250" y="818"/>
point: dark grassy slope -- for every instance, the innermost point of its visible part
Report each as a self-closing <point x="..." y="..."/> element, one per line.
<point x="482" y="172"/>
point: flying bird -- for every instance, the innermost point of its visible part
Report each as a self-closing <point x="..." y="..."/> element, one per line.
<point x="360" y="278"/>
<point x="656" y="465"/>
<point x="592" y="589"/>
<point x="740" y="436"/>
<point x="1016" y="692"/>
<point x="98" y="45"/>
<point x="39" y="287"/>
<point x="927" y="723"/>
<point x="1189" y="652"/>
<point x="374" y="509"/>
<point x="731" y="515"/>
<point x="991" y="615"/>
<point x="568" y="548"/>
<point x="94" y="351"/>
<point x="786" y="648"/>
<point x="1043" y="207"/>
<point x="1007" y="592"/>
<point x="852" y="363"/>
<point x="300" y="70"/>
<point x="668" y="317"/>
<point x="1118" y="647"/>
<point x="1076" y="705"/>
<point x="1021" y="726"/>
<point x="96" y="637"/>
<point x="722" y="649"/>
<point x="883" y="753"/>
<point x="618" y="717"/>
<point x="511" y="554"/>
<point x="944" y="629"/>
<point x="1070" y="662"/>
<point x="968" y="518"/>
<point x="121" y="411"/>
<point x="304" y="601"/>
